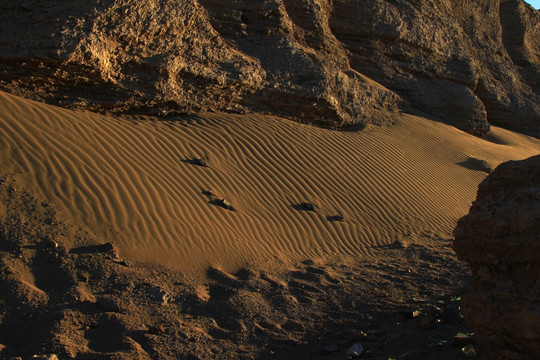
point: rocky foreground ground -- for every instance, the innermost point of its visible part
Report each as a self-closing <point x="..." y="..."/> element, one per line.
<point x="68" y="295"/>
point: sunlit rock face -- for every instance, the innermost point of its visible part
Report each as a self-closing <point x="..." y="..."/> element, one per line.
<point x="331" y="63"/>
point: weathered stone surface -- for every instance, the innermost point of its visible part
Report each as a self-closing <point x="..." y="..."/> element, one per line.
<point x="330" y="63"/>
<point x="500" y="241"/>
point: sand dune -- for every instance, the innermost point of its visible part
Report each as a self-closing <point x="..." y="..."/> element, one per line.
<point x="131" y="180"/>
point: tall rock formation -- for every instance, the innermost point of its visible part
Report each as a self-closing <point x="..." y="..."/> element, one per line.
<point x="328" y="62"/>
<point x="500" y="240"/>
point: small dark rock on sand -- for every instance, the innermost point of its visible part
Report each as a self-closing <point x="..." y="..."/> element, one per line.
<point x="224" y="203"/>
<point x="200" y="162"/>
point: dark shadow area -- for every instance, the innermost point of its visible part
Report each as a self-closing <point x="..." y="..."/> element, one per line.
<point x="334" y="218"/>
<point x="494" y="139"/>
<point x="108" y="336"/>
<point x="207" y="193"/>
<point x="196" y="161"/>
<point x="92" y="249"/>
<point x="222" y="203"/>
<point x="476" y="165"/>
<point x="305" y="206"/>
<point x="352" y="128"/>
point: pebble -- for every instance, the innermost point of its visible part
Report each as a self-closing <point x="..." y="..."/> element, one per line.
<point x="461" y="339"/>
<point x="469" y="351"/>
<point x="106" y="247"/>
<point x="156" y="329"/>
<point x="125" y="263"/>
<point x="200" y="162"/>
<point x="224" y="203"/>
<point x="51" y="244"/>
<point x="355" y="351"/>
<point x="160" y="295"/>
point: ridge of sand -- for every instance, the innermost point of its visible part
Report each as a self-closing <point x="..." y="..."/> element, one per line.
<point x="130" y="180"/>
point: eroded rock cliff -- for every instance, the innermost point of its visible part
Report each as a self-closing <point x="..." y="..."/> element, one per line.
<point x="500" y="240"/>
<point x="333" y="63"/>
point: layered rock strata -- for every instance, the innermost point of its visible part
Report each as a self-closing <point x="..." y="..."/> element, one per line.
<point x="332" y="63"/>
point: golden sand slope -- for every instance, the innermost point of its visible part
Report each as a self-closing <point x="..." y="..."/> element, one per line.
<point x="128" y="180"/>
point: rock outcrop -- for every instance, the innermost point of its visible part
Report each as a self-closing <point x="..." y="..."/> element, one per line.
<point x="332" y="63"/>
<point x="500" y="240"/>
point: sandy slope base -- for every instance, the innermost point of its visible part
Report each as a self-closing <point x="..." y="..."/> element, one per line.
<point x="131" y="181"/>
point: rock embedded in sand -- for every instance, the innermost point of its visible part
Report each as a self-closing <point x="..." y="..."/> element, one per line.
<point x="500" y="241"/>
<point x="355" y="351"/>
<point x="224" y="203"/>
<point x="477" y="164"/>
<point x="156" y="330"/>
<point x="307" y="206"/>
<point x="468" y="63"/>
<point x="107" y="247"/>
<point x="200" y="162"/>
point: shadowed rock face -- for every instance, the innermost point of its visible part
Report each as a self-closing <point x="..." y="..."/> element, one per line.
<point x="500" y="240"/>
<point x="332" y="63"/>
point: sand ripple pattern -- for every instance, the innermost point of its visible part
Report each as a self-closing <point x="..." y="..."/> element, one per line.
<point x="130" y="181"/>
